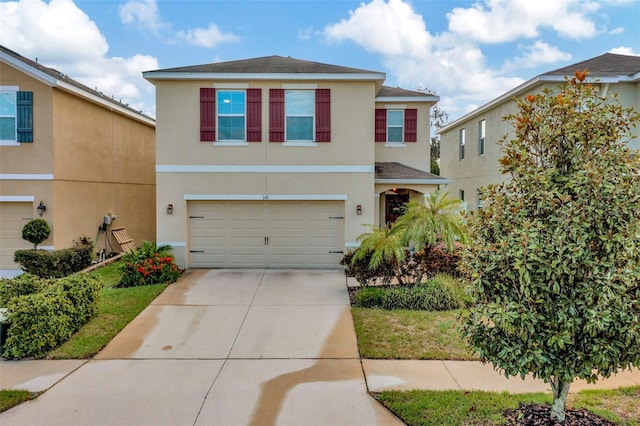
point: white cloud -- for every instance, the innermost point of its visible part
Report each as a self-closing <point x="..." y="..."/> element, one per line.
<point x="539" y="53"/>
<point x="390" y="28"/>
<point x="496" y="21"/>
<point x="618" y="30"/>
<point x="445" y="63"/>
<point x="305" y="33"/>
<point x="143" y="13"/>
<point x="624" y="50"/>
<point x="206" y="37"/>
<point x="63" y="37"/>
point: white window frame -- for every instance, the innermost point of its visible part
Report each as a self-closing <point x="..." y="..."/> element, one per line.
<point x="287" y="103"/>
<point x="482" y="134"/>
<point x="462" y="140"/>
<point x="220" y="141"/>
<point x="12" y="90"/>
<point x="395" y="126"/>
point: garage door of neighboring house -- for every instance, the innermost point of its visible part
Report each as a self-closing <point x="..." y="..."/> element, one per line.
<point x="13" y="217"/>
<point x="271" y="234"/>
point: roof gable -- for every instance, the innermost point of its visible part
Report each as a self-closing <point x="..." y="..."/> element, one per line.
<point x="607" y="65"/>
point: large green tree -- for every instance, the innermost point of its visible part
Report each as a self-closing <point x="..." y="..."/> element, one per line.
<point x="555" y="252"/>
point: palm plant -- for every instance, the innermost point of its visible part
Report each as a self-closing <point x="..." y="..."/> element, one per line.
<point x="384" y="244"/>
<point x="439" y="220"/>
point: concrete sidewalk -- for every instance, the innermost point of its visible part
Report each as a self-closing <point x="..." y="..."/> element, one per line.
<point x="241" y="347"/>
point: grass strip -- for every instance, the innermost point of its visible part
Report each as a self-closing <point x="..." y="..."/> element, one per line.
<point x="455" y="408"/>
<point x="403" y="334"/>
<point x="13" y="397"/>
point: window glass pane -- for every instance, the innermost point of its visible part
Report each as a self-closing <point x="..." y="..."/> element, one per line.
<point x="231" y="128"/>
<point x="7" y="128"/>
<point x="231" y="102"/>
<point x="395" y="118"/>
<point x="299" y="102"/>
<point x="394" y="134"/>
<point x="8" y="103"/>
<point x="300" y="128"/>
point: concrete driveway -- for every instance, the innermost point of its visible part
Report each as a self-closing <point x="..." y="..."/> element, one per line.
<point x="224" y="347"/>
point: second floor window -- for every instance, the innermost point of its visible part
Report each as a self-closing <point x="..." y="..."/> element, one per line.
<point x="299" y="112"/>
<point x="8" y="116"/>
<point x="462" y="136"/>
<point x="395" y="126"/>
<point x="231" y="106"/>
<point x="481" y="136"/>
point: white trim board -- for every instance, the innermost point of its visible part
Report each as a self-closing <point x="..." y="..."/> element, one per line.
<point x="17" y="198"/>
<point x="262" y="168"/>
<point x="265" y="197"/>
<point x="25" y="176"/>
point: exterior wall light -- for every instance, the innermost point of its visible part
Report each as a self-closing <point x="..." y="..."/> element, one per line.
<point x="359" y="209"/>
<point x="169" y="208"/>
<point x="41" y="208"/>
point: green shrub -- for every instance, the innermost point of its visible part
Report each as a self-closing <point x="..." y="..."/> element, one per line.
<point x="41" y="321"/>
<point x="36" y="231"/>
<point x="435" y="260"/>
<point x="438" y="294"/>
<point x="363" y="273"/>
<point x="20" y="286"/>
<point x="147" y="265"/>
<point x="54" y="264"/>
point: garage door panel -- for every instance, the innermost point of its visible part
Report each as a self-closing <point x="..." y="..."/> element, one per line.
<point x="13" y="216"/>
<point x="266" y="234"/>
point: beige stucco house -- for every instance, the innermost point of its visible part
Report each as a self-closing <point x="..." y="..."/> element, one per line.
<point x="279" y="162"/>
<point x="79" y="153"/>
<point x="468" y="146"/>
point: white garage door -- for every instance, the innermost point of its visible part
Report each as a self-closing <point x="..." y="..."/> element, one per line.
<point x="13" y="217"/>
<point x="267" y="234"/>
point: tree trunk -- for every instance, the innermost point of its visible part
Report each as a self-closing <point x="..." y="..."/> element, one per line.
<point x="560" y="391"/>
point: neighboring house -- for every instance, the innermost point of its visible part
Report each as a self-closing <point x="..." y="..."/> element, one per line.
<point x="468" y="146"/>
<point x="77" y="152"/>
<point x="279" y="162"/>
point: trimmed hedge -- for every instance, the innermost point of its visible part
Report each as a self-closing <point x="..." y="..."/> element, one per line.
<point x="20" y="286"/>
<point x="55" y="264"/>
<point x="440" y="293"/>
<point x="41" y="321"/>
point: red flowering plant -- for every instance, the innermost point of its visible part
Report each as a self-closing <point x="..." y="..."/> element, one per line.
<point x="148" y="264"/>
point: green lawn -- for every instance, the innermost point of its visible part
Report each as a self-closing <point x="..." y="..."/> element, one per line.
<point x="454" y="408"/>
<point x="116" y="308"/>
<point x="401" y="334"/>
<point x="11" y="398"/>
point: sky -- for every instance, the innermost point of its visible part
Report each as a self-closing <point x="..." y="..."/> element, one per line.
<point x="467" y="52"/>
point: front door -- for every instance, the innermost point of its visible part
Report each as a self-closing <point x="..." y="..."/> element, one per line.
<point x="395" y="206"/>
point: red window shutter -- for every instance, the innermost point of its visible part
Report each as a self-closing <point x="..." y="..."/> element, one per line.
<point x="254" y="115"/>
<point x="323" y="115"/>
<point x="411" y="125"/>
<point x="207" y="114"/>
<point x="276" y="115"/>
<point x="381" y="125"/>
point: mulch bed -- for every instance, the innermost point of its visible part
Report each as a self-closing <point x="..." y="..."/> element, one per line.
<point x="538" y="415"/>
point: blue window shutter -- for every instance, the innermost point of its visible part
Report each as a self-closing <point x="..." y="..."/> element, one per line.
<point x="24" y="116"/>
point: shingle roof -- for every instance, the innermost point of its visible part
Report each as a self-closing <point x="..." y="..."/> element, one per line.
<point x="59" y="76"/>
<point x="606" y="65"/>
<point x="268" y="65"/>
<point x="386" y="91"/>
<point x="399" y="171"/>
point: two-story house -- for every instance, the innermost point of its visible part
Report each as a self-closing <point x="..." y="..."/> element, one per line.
<point x="469" y="151"/>
<point x="279" y="162"/>
<point x="70" y="155"/>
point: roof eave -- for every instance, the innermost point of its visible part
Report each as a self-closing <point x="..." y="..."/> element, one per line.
<point x="440" y="181"/>
<point x="429" y="98"/>
<point x="159" y="75"/>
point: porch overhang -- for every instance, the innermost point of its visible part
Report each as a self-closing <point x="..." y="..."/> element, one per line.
<point x="393" y="173"/>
